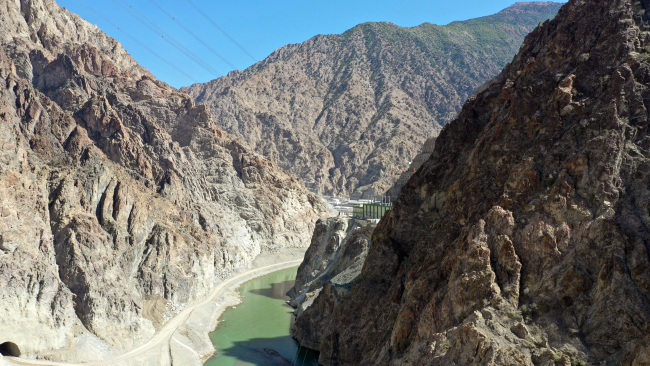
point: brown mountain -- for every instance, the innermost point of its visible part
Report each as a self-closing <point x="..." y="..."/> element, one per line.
<point x="524" y="239"/>
<point x="346" y="113"/>
<point x="117" y="192"/>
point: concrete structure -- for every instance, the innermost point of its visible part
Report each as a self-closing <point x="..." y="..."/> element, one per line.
<point x="371" y="210"/>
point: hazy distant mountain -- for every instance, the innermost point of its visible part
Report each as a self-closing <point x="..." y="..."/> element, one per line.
<point x="348" y="112"/>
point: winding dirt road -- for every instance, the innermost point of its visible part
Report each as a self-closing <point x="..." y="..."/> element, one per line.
<point x="168" y="329"/>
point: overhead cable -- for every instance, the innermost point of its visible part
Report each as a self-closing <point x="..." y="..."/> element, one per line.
<point x="221" y="30"/>
<point x="193" y="35"/>
<point x="136" y="41"/>
<point x="169" y="39"/>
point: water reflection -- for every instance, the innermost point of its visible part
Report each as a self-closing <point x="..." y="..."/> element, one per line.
<point x="262" y="352"/>
<point x="257" y="331"/>
<point x="276" y="290"/>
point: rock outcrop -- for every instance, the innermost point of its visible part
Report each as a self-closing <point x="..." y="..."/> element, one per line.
<point x="118" y="195"/>
<point x="524" y="239"/>
<point x="336" y="254"/>
<point x="346" y="113"/>
<point x="331" y="266"/>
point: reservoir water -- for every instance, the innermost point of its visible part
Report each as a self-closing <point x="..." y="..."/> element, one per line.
<point x="257" y="331"/>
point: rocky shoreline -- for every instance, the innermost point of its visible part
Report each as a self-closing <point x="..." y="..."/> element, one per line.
<point x="331" y="266"/>
<point x="194" y="333"/>
<point x="190" y="344"/>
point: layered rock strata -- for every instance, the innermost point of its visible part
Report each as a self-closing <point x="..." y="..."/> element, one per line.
<point x="524" y="239"/>
<point x="120" y="199"/>
<point x="344" y="113"/>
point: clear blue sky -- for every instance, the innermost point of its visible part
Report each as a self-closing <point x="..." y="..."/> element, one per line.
<point x="259" y="26"/>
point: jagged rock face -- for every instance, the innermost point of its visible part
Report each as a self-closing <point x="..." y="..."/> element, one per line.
<point x="328" y="237"/>
<point x="523" y="240"/>
<point x="33" y="298"/>
<point x="346" y="113"/>
<point x="336" y="254"/>
<point x="115" y="188"/>
<point x="331" y="266"/>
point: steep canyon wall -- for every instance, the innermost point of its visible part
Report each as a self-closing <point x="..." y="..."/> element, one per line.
<point x="524" y="239"/>
<point x="117" y="191"/>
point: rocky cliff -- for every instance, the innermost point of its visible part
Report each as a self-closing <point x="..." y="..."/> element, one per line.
<point x="336" y="254"/>
<point x="346" y="113"/>
<point x="331" y="266"/>
<point x="117" y="194"/>
<point x="418" y="161"/>
<point x="524" y="239"/>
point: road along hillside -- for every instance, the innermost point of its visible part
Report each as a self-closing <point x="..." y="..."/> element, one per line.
<point x="184" y="340"/>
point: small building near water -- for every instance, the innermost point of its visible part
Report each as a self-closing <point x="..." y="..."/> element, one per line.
<point x="368" y="211"/>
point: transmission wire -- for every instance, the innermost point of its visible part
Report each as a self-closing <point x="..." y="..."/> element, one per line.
<point x="154" y="28"/>
<point x="136" y="41"/>
<point x="179" y="46"/>
<point x="221" y="30"/>
<point x="193" y="35"/>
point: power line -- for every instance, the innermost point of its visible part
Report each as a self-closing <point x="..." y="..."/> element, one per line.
<point x="193" y="35"/>
<point x="169" y="39"/>
<point x="136" y="41"/>
<point x="221" y="30"/>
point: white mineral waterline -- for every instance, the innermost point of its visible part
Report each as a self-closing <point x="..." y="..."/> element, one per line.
<point x="163" y="337"/>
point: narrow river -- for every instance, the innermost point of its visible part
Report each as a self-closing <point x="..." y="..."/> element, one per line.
<point x="257" y="331"/>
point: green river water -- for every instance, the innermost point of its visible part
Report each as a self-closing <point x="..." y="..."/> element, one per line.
<point x="257" y="331"/>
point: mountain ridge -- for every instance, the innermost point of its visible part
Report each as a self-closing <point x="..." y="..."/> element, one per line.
<point x="345" y="113"/>
<point x="523" y="239"/>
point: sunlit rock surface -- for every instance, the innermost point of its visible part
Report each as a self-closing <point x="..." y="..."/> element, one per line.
<point x="523" y="240"/>
<point x="331" y="266"/>
<point x="117" y="193"/>
<point x="346" y="113"/>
